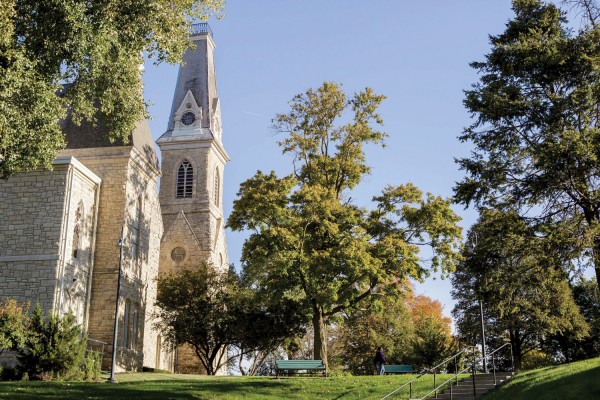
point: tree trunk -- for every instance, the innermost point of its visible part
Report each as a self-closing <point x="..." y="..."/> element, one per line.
<point x="320" y="337"/>
<point x="596" y="255"/>
<point x="515" y="343"/>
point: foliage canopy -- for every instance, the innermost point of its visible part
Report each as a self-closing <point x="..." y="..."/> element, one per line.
<point x="536" y="133"/>
<point x="308" y="241"/>
<point x="94" y="47"/>
<point x="521" y="283"/>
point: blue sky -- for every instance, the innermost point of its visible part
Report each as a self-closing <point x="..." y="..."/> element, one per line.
<point x="416" y="53"/>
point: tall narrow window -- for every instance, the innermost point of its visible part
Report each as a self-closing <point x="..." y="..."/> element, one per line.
<point x="135" y="231"/>
<point x="135" y="314"/>
<point x="217" y="186"/>
<point x="185" y="178"/>
<point x="77" y="231"/>
<point x="126" y="324"/>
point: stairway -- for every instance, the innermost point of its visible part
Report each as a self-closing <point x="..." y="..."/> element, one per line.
<point x="463" y="390"/>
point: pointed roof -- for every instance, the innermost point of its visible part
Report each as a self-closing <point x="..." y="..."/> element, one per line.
<point x="197" y="75"/>
<point x="179" y="222"/>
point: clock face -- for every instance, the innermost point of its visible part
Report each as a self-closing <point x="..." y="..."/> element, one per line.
<point x="188" y="118"/>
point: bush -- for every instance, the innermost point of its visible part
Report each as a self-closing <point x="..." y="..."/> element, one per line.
<point x="536" y="359"/>
<point x="13" y="319"/>
<point x="93" y="366"/>
<point x="54" y="347"/>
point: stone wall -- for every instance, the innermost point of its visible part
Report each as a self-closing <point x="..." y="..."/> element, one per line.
<point x="127" y="179"/>
<point x="38" y="213"/>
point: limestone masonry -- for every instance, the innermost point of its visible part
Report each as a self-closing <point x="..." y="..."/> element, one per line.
<point x="60" y="229"/>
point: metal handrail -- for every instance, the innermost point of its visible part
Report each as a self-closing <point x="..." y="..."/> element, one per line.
<point x="428" y="371"/>
<point x="475" y="359"/>
<point x="499" y="348"/>
<point x="450" y="358"/>
<point x="472" y="366"/>
<point x="403" y="386"/>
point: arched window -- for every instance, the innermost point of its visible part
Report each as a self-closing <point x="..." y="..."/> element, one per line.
<point x="135" y="231"/>
<point x="77" y="230"/>
<point x="217" y="187"/>
<point x="185" y="179"/>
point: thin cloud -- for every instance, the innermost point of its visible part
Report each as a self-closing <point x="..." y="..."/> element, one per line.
<point x="254" y="115"/>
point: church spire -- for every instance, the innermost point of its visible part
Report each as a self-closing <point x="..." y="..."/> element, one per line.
<point x="195" y="110"/>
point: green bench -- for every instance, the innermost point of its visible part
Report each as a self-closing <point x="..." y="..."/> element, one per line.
<point x="299" y="365"/>
<point x="399" y="369"/>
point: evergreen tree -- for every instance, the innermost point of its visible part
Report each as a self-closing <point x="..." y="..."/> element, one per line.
<point x="536" y="134"/>
<point x="54" y="347"/>
<point x="521" y="283"/>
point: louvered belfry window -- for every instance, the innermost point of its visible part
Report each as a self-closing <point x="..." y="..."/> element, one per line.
<point x="185" y="178"/>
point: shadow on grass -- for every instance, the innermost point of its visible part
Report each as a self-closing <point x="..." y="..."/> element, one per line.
<point x="147" y="390"/>
<point x="574" y="386"/>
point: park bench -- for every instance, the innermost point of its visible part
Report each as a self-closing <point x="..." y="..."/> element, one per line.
<point x="399" y="369"/>
<point x="299" y="365"/>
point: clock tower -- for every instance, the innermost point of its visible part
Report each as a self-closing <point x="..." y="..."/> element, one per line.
<point x="193" y="160"/>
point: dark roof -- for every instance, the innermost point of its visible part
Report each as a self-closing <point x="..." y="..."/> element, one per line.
<point x="88" y="136"/>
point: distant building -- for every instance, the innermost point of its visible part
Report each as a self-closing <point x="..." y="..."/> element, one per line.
<point x="60" y="229"/>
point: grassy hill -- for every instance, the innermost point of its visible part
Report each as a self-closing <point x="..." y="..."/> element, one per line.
<point x="578" y="380"/>
<point x="148" y="386"/>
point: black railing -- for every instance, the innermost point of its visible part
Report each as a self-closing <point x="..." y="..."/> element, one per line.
<point x="453" y="363"/>
<point x="200" y="28"/>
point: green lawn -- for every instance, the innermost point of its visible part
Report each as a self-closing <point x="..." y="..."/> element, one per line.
<point x="150" y="386"/>
<point x="579" y="380"/>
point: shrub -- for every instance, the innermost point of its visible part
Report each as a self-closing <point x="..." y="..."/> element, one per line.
<point x="92" y="368"/>
<point x="13" y="320"/>
<point x="54" y="347"/>
<point x="536" y="359"/>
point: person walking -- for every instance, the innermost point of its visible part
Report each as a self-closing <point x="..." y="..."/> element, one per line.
<point x="380" y="361"/>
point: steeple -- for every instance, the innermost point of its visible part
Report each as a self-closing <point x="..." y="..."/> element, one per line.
<point x="193" y="163"/>
<point x="195" y="110"/>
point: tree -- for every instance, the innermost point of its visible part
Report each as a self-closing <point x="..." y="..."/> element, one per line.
<point x="263" y="327"/>
<point x="432" y="341"/>
<point x="83" y="56"/>
<point x="383" y="321"/>
<point x="214" y="313"/>
<point x="309" y="242"/>
<point x="13" y="321"/>
<point x="566" y="347"/>
<point x="54" y="347"/>
<point x="194" y="309"/>
<point x="521" y="282"/>
<point x="536" y="133"/>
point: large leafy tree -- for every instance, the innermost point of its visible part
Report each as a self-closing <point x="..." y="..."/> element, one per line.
<point x="536" y="133"/>
<point x="195" y="309"/>
<point x="221" y="320"/>
<point x="520" y="280"/>
<point x="94" y="46"/>
<point x="309" y="242"/>
<point x="563" y="345"/>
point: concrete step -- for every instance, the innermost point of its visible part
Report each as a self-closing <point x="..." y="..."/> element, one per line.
<point x="463" y="390"/>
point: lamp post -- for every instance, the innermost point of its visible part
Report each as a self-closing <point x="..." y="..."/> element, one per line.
<point x="483" y="352"/>
<point x="112" y="378"/>
<point x="485" y="369"/>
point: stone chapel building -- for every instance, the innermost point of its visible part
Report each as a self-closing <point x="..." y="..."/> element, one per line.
<point x="60" y="229"/>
